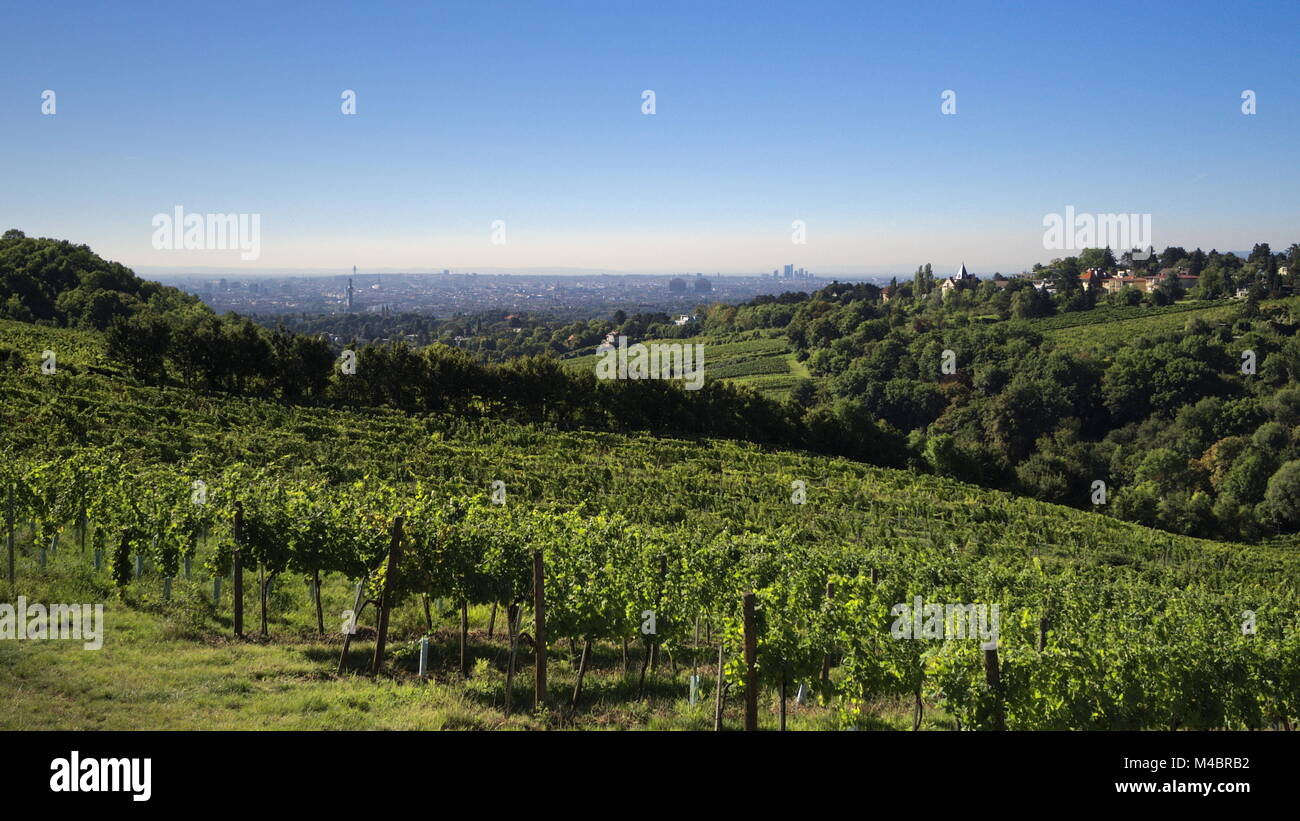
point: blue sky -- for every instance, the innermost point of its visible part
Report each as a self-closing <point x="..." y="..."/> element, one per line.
<point x="530" y="113"/>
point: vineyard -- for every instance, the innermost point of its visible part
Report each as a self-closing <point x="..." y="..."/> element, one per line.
<point x="1105" y="328"/>
<point x="740" y="586"/>
<point x="762" y="360"/>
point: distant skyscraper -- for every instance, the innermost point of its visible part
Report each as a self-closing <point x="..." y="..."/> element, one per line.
<point x="354" y="268"/>
<point x="789" y="272"/>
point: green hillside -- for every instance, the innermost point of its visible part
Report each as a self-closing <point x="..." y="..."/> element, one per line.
<point x="1136" y="618"/>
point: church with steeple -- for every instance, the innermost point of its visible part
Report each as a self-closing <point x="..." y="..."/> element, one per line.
<point x="962" y="279"/>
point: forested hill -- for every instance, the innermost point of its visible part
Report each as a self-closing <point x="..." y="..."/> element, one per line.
<point x="1181" y="414"/>
<point x="56" y="282"/>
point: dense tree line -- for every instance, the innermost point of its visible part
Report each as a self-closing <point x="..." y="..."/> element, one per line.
<point x="490" y="336"/>
<point x="1180" y="436"/>
<point x="231" y="353"/>
<point x="237" y="356"/>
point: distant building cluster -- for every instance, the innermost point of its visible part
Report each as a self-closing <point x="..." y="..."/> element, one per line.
<point x="1094" y="278"/>
<point x="1091" y="278"/>
<point x="677" y="285"/>
<point x="1111" y="283"/>
<point x="446" y="294"/>
<point x="790" y="272"/>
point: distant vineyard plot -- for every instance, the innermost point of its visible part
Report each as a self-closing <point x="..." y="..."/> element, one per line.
<point x="763" y="360"/>
<point x="1102" y="328"/>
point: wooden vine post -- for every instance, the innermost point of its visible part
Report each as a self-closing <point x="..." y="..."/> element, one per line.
<point x="659" y="600"/>
<point x="539" y="624"/>
<point x="9" y="523"/>
<point x="512" y="629"/>
<point x="993" y="676"/>
<point x="751" y="662"/>
<point x="826" y="659"/>
<point x="386" y="598"/>
<point x="717" y="693"/>
<point x="238" y="567"/>
<point x="582" y="669"/>
<point x="651" y="646"/>
<point x="783" y="677"/>
<point x="464" y="637"/>
<point x="262" y="581"/>
<point x="350" y="626"/>
<point x="315" y="592"/>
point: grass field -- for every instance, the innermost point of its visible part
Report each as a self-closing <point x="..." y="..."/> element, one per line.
<point x="174" y="666"/>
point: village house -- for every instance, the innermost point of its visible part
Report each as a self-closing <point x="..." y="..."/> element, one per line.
<point x="1114" y="284"/>
<point x="1147" y="284"/>
<point x="1094" y="278"/>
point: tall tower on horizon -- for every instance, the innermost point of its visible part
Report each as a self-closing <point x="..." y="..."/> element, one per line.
<point x="350" y="291"/>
